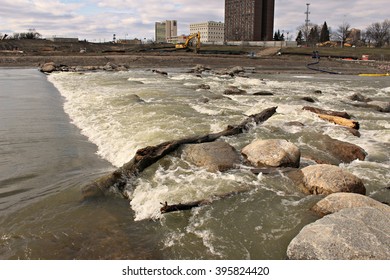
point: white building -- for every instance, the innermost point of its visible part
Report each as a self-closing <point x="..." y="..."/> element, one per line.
<point x="210" y="31"/>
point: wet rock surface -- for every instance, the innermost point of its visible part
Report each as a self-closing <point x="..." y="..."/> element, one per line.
<point x="326" y="179"/>
<point x="350" y="234"/>
<point x="272" y="153"/>
<point x="338" y="201"/>
<point x="215" y="156"/>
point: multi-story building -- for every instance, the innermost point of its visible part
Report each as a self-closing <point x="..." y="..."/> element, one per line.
<point x="165" y="30"/>
<point x="210" y="31"/>
<point x="249" y="20"/>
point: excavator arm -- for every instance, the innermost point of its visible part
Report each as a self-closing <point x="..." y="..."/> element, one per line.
<point x="189" y="39"/>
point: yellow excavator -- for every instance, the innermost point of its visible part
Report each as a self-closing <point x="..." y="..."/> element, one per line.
<point x="188" y="41"/>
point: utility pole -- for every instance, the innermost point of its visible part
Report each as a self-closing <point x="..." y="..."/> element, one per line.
<point x="307" y="21"/>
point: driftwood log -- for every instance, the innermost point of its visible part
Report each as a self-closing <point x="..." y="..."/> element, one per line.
<point x="337" y="117"/>
<point x="166" y="208"/>
<point x="316" y="110"/>
<point x="125" y="176"/>
<point x="340" y="121"/>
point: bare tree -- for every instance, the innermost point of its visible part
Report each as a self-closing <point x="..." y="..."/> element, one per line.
<point x="379" y="33"/>
<point x="342" y="32"/>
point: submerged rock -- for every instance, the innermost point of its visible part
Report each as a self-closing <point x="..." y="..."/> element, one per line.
<point x="327" y="179"/>
<point x="204" y="86"/>
<point x="350" y="234"/>
<point x="380" y="106"/>
<point x="214" y="156"/>
<point x="263" y="93"/>
<point x="232" y="90"/>
<point x="359" y="97"/>
<point x="272" y="153"/>
<point x="343" y="151"/>
<point x="338" y="201"/>
<point x="308" y="99"/>
<point x="332" y="151"/>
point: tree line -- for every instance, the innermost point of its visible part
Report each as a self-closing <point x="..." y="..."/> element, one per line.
<point x="376" y="34"/>
<point x="30" y="34"/>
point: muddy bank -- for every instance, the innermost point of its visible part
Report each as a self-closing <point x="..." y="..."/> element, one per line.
<point x="266" y="64"/>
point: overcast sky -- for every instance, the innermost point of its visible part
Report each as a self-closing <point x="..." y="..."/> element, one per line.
<point x="98" y="20"/>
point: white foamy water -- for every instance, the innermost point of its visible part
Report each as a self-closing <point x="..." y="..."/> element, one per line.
<point x="122" y="112"/>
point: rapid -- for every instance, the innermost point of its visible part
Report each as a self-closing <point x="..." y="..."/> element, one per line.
<point x="103" y="118"/>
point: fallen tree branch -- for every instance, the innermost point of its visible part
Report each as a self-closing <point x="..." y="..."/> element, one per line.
<point x="316" y="110"/>
<point x="126" y="175"/>
<point x="166" y="208"/>
<point x="337" y="117"/>
<point x="340" y="121"/>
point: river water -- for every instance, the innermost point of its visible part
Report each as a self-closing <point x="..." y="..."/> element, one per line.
<point x="62" y="131"/>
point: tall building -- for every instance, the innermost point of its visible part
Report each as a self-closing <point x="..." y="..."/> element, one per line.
<point x="249" y="20"/>
<point x="210" y="31"/>
<point x="165" y="30"/>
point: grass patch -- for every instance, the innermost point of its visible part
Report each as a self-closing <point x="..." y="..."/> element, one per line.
<point x="373" y="53"/>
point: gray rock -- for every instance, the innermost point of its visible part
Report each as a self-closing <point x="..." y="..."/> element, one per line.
<point x="332" y="151"/>
<point x="338" y="201"/>
<point x="232" y="90"/>
<point x="204" y="86"/>
<point x="350" y="234"/>
<point x="110" y="66"/>
<point x="199" y="69"/>
<point x="381" y="106"/>
<point x="343" y="151"/>
<point x="327" y="179"/>
<point x="236" y="70"/>
<point x="122" y="68"/>
<point x="359" y="97"/>
<point x="214" y="156"/>
<point x="272" y="153"/>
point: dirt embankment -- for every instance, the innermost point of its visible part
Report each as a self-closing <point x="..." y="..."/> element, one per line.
<point x="33" y="53"/>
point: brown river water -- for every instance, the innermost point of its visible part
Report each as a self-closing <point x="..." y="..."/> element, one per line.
<point x="58" y="133"/>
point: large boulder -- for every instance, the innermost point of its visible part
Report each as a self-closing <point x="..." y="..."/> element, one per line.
<point x="214" y="156"/>
<point x="48" y="67"/>
<point x="326" y="179"/>
<point x="323" y="149"/>
<point x="338" y="201"/>
<point x="350" y="234"/>
<point x="272" y="153"/>
<point x="343" y="151"/>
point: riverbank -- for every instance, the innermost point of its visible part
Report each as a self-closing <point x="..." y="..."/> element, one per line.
<point x="262" y="64"/>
